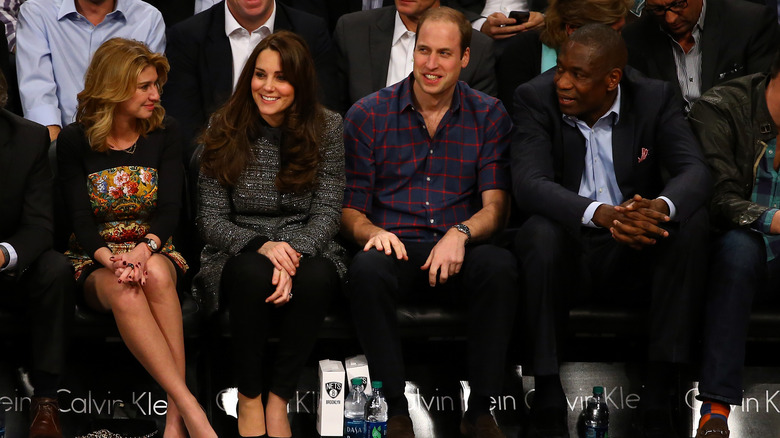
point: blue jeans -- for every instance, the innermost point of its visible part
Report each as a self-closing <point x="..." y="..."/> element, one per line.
<point x="739" y="270"/>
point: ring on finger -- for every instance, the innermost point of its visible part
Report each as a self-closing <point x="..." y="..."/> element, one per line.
<point x="289" y="295"/>
<point x="131" y="266"/>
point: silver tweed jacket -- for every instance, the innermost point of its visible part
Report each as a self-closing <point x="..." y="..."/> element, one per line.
<point x="229" y="218"/>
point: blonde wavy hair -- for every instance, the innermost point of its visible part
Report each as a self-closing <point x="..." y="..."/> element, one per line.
<point x="112" y="78"/>
<point x="577" y="13"/>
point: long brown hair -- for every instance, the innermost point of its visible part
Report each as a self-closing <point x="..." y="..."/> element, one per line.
<point x="232" y="129"/>
<point x="578" y="13"/>
<point x="112" y="78"/>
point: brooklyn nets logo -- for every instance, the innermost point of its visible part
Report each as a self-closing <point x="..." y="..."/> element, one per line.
<point x="333" y="388"/>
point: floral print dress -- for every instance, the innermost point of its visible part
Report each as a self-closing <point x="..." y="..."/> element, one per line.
<point x="115" y="197"/>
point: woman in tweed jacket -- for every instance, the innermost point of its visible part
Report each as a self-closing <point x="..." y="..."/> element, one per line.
<point x="270" y="190"/>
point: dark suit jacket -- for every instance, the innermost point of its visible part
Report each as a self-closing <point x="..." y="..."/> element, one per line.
<point x="739" y="38"/>
<point x="201" y="76"/>
<point x="26" y="216"/>
<point x="364" y="40"/>
<point x="174" y="11"/>
<point x="650" y="140"/>
<point x="520" y="62"/>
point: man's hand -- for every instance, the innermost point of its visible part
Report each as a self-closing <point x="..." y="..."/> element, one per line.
<point x="498" y="26"/>
<point x="638" y="225"/>
<point x="388" y="242"/>
<point x="446" y="257"/>
<point x="54" y="132"/>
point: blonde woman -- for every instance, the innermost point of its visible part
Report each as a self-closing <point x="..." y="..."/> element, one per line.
<point x="120" y="169"/>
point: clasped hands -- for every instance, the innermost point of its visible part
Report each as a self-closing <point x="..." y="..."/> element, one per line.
<point x="635" y="222"/>
<point x="286" y="261"/>
<point x="444" y="260"/>
<point x="130" y="267"/>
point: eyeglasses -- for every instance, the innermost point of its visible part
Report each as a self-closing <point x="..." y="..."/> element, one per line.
<point x="675" y="7"/>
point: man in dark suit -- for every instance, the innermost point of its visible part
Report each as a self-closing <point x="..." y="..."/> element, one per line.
<point x="34" y="279"/>
<point x="614" y="183"/>
<point x="696" y="46"/>
<point x="365" y="39"/>
<point x="202" y="65"/>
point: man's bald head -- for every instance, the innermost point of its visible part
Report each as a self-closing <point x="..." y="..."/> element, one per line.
<point x="605" y="44"/>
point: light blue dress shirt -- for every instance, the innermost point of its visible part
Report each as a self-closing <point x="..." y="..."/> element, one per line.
<point x="202" y="5"/>
<point x="598" y="179"/>
<point x="55" y="44"/>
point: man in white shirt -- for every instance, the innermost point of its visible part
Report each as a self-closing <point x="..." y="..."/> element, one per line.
<point x="376" y="47"/>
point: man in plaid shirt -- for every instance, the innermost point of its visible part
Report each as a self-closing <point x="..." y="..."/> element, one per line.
<point x="427" y="180"/>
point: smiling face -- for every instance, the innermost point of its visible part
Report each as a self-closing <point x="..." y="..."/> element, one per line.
<point x="437" y="58"/>
<point x="251" y="14"/>
<point x="147" y="95"/>
<point x="272" y="93"/>
<point x="414" y="8"/>
<point x="585" y="88"/>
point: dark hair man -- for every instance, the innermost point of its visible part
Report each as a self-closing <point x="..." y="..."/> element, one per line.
<point x="427" y="180"/>
<point x="614" y="183"/>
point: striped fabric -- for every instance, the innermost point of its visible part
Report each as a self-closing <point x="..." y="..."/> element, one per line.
<point x="417" y="186"/>
<point x="689" y="64"/>
<point x="9" y="10"/>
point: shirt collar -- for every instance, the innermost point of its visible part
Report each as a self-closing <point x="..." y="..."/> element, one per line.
<point x="231" y="24"/>
<point x="399" y="30"/>
<point x="404" y="92"/>
<point x="68" y="7"/>
<point x="614" y="109"/>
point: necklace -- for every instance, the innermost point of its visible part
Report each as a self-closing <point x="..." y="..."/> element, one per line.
<point x="130" y="150"/>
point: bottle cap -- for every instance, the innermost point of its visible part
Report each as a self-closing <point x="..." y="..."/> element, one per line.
<point x="376" y="384"/>
<point x="598" y="390"/>
<point x="357" y="381"/>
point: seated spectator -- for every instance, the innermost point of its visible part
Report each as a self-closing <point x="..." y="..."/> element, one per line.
<point x="614" y="181"/>
<point x="696" y="44"/>
<point x="737" y="124"/>
<point x="120" y="168"/>
<point x="35" y="280"/>
<point x="423" y="216"/>
<point x="375" y="51"/>
<point x="55" y="41"/>
<point x="9" y="17"/>
<point x="272" y="181"/>
<point x="208" y="51"/>
<point x="494" y="19"/>
<point x="532" y="53"/>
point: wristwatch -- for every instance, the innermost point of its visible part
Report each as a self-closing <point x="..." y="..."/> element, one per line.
<point x="151" y="243"/>
<point x="463" y="228"/>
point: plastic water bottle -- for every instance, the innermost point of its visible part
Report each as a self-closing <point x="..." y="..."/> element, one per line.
<point x="594" y="420"/>
<point x="355" y="411"/>
<point x="376" y="413"/>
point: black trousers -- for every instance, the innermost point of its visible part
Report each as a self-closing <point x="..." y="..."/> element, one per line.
<point x="45" y="292"/>
<point x="486" y="287"/>
<point x="246" y="282"/>
<point x="666" y="278"/>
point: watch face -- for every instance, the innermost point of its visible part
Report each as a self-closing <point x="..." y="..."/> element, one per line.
<point x="152" y="244"/>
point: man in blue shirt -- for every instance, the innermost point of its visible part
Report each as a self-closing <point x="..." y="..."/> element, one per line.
<point x="737" y="124"/>
<point x="612" y="178"/>
<point x="55" y="41"/>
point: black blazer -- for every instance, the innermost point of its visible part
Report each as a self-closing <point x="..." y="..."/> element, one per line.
<point x="201" y="76"/>
<point x="174" y="11"/>
<point x="739" y="38"/>
<point x="26" y="222"/>
<point x="364" y="40"/>
<point x="520" y="62"/>
<point x="654" y="151"/>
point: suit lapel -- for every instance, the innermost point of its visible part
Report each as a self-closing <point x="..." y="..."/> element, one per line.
<point x="5" y="150"/>
<point x="710" y="45"/>
<point x="380" y="43"/>
<point x="218" y="55"/>
<point x="623" y="145"/>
